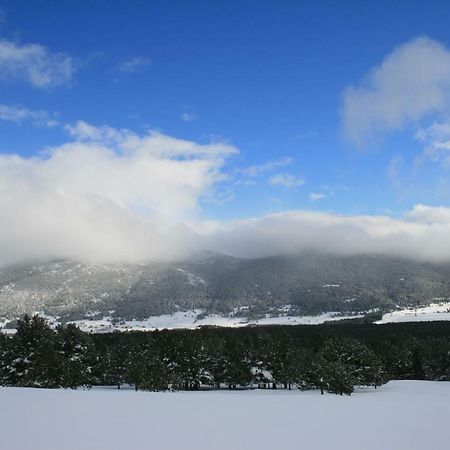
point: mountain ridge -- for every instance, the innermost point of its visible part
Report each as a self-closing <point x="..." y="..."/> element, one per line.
<point x="310" y="283"/>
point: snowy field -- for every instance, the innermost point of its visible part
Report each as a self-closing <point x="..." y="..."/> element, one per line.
<point x="195" y="318"/>
<point x="402" y="415"/>
<point x="189" y="320"/>
<point x="430" y="313"/>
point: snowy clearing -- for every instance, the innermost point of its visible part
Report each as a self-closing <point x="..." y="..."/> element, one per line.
<point x="402" y="415"/>
<point x="433" y="312"/>
<point x="189" y="320"/>
<point x="195" y="318"/>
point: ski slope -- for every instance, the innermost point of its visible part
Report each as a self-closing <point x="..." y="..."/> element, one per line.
<point x="402" y="415"/>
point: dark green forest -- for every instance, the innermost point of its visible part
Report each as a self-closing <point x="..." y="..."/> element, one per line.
<point x="333" y="358"/>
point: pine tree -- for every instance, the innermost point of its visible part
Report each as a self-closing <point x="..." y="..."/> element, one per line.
<point x="77" y="353"/>
<point x="236" y="364"/>
<point x="344" y="363"/>
<point x="6" y="358"/>
<point x="116" y="357"/>
<point x="37" y="361"/>
<point x="189" y="352"/>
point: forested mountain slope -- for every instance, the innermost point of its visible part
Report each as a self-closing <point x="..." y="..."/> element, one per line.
<point x="310" y="283"/>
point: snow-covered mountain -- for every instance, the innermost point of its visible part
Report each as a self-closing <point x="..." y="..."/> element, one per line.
<point x="218" y="284"/>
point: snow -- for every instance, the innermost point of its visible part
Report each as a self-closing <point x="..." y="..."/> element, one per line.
<point x="435" y="311"/>
<point x="189" y="320"/>
<point x="402" y="415"/>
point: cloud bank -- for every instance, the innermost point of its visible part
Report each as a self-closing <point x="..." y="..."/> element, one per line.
<point x="424" y="234"/>
<point x="111" y="195"/>
<point x="107" y="195"/>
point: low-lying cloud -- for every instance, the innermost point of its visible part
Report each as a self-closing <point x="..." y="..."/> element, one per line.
<point x="424" y="234"/>
<point x="111" y="195"/>
<point x="107" y="195"/>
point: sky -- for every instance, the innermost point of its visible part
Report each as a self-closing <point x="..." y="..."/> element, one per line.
<point x="136" y="130"/>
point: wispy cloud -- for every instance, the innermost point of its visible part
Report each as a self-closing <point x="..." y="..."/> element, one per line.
<point x="188" y="116"/>
<point x="314" y="196"/>
<point x="436" y="141"/>
<point x="411" y="82"/>
<point x="259" y="169"/>
<point x="326" y="191"/>
<point x="34" y="64"/>
<point x="133" y="65"/>
<point x="287" y="180"/>
<point x="19" y="114"/>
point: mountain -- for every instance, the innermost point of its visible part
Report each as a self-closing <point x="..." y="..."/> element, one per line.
<point x="310" y="283"/>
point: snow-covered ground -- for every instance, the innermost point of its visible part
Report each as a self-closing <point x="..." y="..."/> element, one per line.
<point x="403" y="415"/>
<point x="435" y="311"/>
<point x="189" y="319"/>
<point x="195" y="318"/>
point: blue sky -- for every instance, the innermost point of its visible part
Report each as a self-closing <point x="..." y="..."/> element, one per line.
<point x="289" y="86"/>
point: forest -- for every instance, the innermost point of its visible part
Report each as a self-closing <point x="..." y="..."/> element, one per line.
<point x="333" y="358"/>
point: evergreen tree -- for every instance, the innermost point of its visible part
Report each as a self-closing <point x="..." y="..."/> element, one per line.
<point x="286" y="362"/>
<point x="37" y="361"/>
<point x="236" y="364"/>
<point x="78" y="355"/>
<point x="116" y="363"/>
<point x="343" y="363"/>
<point x="135" y="367"/>
<point x="6" y="358"/>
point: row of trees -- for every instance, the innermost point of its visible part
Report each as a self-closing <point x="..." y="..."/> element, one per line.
<point x="276" y="357"/>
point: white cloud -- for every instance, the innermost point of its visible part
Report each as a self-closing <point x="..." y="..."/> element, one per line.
<point x="134" y="64"/>
<point x="314" y="196"/>
<point x="111" y="195"/>
<point x="424" y="235"/>
<point x="410" y="83"/>
<point x="19" y="114"/>
<point x="287" y="180"/>
<point x="259" y="169"/>
<point x="436" y="141"/>
<point x="35" y="64"/>
<point x="429" y="215"/>
<point x="84" y="131"/>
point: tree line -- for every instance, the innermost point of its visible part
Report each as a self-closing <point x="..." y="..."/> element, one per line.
<point x="332" y="358"/>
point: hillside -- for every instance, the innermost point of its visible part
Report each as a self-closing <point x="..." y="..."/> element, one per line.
<point x="309" y="284"/>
